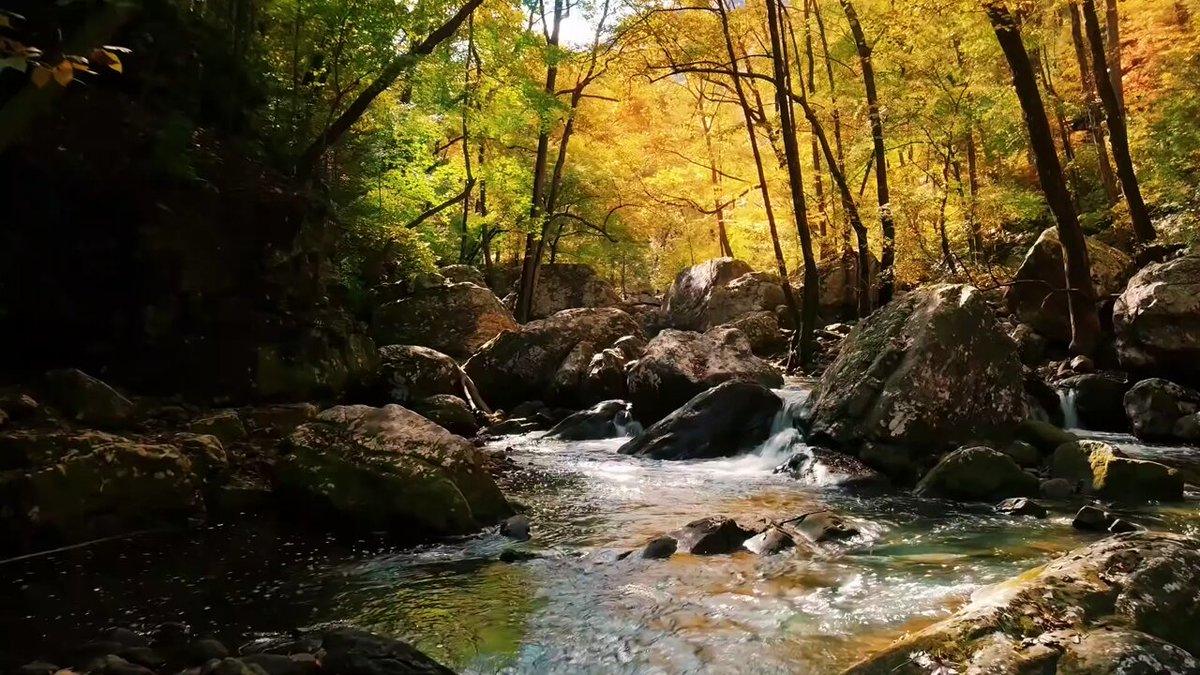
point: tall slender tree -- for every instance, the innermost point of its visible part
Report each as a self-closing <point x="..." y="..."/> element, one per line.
<point x="887" y="257"/>
<point x="1081" y="295"/>
<point x="1095" y="111"/>
<point x="1143" y="229"/>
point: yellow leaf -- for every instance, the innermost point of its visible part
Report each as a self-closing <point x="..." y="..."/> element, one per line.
<point x="4" y="22"/>
<point x="114" y="63"/>
<point x="77" y="65"/>
<point x="40" y="76"/>
<point x="64" y="73"/>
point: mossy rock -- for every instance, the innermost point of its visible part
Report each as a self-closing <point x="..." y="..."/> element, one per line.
<point x="977" y="474"/>
<point x="389" y="469"/>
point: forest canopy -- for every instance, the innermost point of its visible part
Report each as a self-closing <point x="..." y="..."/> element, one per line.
<point x="615" y="132"/>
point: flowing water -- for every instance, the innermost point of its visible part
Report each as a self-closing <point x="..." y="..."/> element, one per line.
<point x="574" y="609"/>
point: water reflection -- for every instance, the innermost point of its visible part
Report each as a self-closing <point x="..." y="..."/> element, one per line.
<point x="567" y="612"/>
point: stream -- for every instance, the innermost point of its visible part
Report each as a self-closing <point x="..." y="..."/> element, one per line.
<point x="574" y="609"/>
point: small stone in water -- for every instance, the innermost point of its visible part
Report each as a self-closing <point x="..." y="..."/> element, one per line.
<point x="659" y="548"/>
<point x="516" y="527"/>
<point x="1119" y="525"/>
<point x="1092" y="518"/>
<point x="769" y="541"/>
<point x="1020" y="506"/>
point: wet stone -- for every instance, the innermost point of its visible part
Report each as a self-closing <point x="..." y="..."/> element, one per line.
<point x="711" y="536"/>
<point x="660" y="548"/>
<point x="516" y="527"/>
<point x="772" y="540"/>
<point x="1093" y="519"/>
<point x="1020" y="506"/>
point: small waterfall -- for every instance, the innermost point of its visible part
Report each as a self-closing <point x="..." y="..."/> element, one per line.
<point x="1066" y="401"/>
<point x="785" y="436"/>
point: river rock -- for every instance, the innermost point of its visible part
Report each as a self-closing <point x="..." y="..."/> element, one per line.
<point x="714" y="535"/>
<point x="278" y="420"/>
<point x="819" y="527"/>
<point x="87" y="400"/>
<point x="839" y="285"/>
<point x="1157" y="320"/>
<point x="1187" y="428"/>
<point x="389" y="469"/>
<point x="449" y="412"/>
<point x="929" y="370"/>
<point x="1043" y="621"/>
<point x="455" y="319"/>
<point x="1044" y="436"/>
<point x="977" y="474"/>
<point x="1020" y="506"/>
<point x="353" y="652"/>
<point x="770" y="540"/>
<point x="1024" y="454"/>
<point x="1031" y="347"/>
<point x="595" y="423"/>
<point x="460" y="274"/>
<point x="821" y="467"/>
<point x="678" y="365"/>
<point x="1057" y="488"/>
<point x="58" y="482"/>
<point x="410" y="373"/>
<point x="569" y="286"/>
<point x="521" y="365"/>
<point x="1155" y="405"/>
<point x="630" y="346"/>
<point x="1103" y="470"/>
<point x="1035" y="295"/>
<point x="762" y="332"/>
<point x="726" y="420"/>
<point x="516" y="527"/>
<point x="660" y="548"/>
<point x="226" y="425"/>
<point x="1099" y="401"/>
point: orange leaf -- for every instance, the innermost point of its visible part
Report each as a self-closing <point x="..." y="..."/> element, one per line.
<point x="64" y="73"/>
<point x="41" y="76"/>
<point x="114" y="62"/>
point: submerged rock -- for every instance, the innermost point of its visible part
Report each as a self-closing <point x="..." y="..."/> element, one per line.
<point x="726" y="420"/>
<point x="1141" y="586"/>
<point x="714" y="535"/>
<point x="678" y="365"/>
<point x="977" y="474"/>
<point x="929" y="370"/>
<point x="1157" y="320"/>
<point x="389" y="469"/>
<point x="817" y="466"/>
<point x="597" y="422"/>
<point x="522" y="365"/>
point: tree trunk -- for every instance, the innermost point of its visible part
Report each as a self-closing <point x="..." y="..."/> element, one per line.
<point x="1143" y="229"/>
<point x="973" y="182"/>
<point x="1095" y="110"/>
<point x="791" y="149"/>
<point x="1042" y="67"/>
<point x="833" y="105"/>
<point x="533" y="243"/>
<point x="1113" y="25"/>
<point x="818" y="187"/>
<point x="1085" y="321"/>
<point x="744" y="103"/>
<point x="887" y="258"/>
<point x="399" y="65"/>
<point x="714" y="175"/>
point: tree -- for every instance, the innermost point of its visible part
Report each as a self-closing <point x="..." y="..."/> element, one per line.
<point x="1094" y="110"/>
<point x="1117" y="134"/>
<point x="1085" y="322"/>
<point x="887" y="258"/>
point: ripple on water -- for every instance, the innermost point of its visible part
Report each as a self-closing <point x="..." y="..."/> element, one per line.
<point x="915" y="562"/>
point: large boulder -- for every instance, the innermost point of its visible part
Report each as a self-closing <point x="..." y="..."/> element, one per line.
<point x="761" y="329"/>
<point x="1124" y="604"/>
<point x="1154" y="407"/>
<point x="686" y="305"/>
<point x="449" y="412"/>
<point x="717" y="292"/>
<point x="838" y="293"/>
<point x="977" y="474"/>
<point x="929" y="371"/>
<point x="678" y="365"/>
<point x="1157" y="320"/>
<point x="409" y="373"/>
<point x="389" y="469"/>
<point x="522" y="365"/>
<point x="455" y="319"/>
<point x="87" y="400"/>
<point x="57" y="486"/>
<point x="458" y="274"/>
<point x="726" y="420"/>
<point x="569" y="286"/>
<point x="1036" y="295"/>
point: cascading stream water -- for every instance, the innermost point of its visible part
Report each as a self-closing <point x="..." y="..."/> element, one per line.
<point x="1070" y="412"/>
<point x="574" y="608"/>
